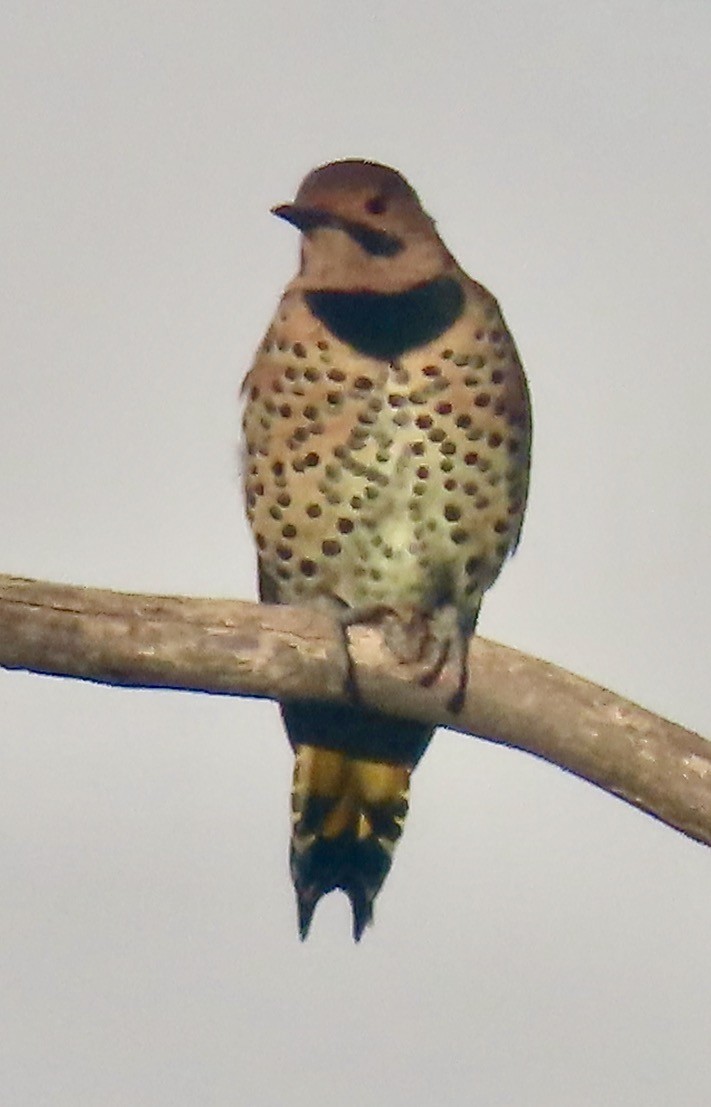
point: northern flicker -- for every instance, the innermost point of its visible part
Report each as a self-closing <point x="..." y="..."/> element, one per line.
<point x="387" y="432"/>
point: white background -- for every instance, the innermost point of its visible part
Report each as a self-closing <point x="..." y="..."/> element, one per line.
<point x="538" y="942"/>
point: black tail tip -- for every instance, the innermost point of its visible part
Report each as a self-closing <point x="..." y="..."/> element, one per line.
<point x="305" y="905"/>
<point x="356" y="867"/>
<point x="361" y="906"/>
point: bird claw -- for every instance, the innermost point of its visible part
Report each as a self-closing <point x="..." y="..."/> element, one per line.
<point x="350" y="618"/>
<point x="455" y="703"/>
<point x="433" y="652"/>
<point x="433" y="673"/>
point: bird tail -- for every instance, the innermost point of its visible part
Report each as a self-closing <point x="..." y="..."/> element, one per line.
<point x="347" y="815"/>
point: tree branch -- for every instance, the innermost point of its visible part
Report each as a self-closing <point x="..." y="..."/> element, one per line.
<point x="234" y="648"/>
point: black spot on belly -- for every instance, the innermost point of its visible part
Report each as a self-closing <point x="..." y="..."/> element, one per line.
<point x="385" y="325"/>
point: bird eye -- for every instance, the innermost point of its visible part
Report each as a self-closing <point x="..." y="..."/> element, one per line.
<point x="376" y="205"/>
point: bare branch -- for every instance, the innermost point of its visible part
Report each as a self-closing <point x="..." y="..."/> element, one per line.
<point x="234" y="648"/>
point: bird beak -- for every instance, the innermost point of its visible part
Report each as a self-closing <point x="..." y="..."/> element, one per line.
<point x="304" y="219"/>
<point x="376" y="243"/>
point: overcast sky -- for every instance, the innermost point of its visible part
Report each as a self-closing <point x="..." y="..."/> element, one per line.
<point x="538" y="942"/>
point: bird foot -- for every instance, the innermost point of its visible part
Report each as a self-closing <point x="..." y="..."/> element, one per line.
<point x="441" y="655"/>
<point x="442" y="646"/>
<point x="412" y="639"/>
<point x="350" y="618"/>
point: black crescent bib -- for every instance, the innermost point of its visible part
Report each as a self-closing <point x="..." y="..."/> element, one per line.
<point x="386" y="325"/>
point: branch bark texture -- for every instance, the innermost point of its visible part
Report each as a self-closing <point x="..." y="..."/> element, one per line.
<point x="234" y="648"/>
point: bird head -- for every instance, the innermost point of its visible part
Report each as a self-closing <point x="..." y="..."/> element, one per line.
<point x="363" y="227"/>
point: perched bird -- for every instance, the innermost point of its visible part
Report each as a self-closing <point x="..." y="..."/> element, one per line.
<point x="387" y="434"/>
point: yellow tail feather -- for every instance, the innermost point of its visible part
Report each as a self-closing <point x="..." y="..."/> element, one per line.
<point x="348" y="814"/>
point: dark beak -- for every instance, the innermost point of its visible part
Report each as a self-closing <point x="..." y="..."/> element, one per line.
<point x="304" y="219"/>
<point x="376" y="243"/>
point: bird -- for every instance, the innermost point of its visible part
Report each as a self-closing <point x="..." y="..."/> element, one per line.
<point x="386" y="457"/>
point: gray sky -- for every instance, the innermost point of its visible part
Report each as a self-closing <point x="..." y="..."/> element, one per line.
<point x="537" y="942"/>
